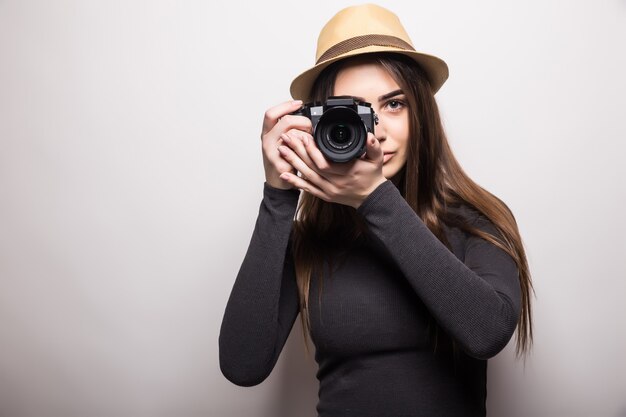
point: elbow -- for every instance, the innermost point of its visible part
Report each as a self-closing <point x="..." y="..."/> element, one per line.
<point x="239" y="376"/>
<point x="239" y="369"/>
<point x="486" y="348"/>
<point x="490" y="339"/>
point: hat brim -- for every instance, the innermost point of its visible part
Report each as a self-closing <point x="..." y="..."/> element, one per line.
<point x="436" y="69"/>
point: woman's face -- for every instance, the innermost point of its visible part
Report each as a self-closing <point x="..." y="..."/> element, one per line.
<point x="370" y="82"/>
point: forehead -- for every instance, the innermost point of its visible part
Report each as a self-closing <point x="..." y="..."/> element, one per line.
<point x="364" y="79"/>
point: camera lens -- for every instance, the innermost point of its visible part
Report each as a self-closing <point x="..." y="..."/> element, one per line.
<point x="340" y="136"/>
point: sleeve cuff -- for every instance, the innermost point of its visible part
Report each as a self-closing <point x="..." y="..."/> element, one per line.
<point x="280" y="194"/>
<point x="383" y="191"/>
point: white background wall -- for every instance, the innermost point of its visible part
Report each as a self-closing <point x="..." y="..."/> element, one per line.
<point x="131" y="174"/>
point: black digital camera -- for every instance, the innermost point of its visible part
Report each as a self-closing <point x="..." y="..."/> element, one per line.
<point x="340" y="126"/>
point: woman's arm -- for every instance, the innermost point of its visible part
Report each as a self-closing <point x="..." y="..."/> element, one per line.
<point x="263" y="304"/>
<point x="476" y="302"/>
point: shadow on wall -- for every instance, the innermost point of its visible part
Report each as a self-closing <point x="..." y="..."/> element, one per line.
<point x="296" y="384"/>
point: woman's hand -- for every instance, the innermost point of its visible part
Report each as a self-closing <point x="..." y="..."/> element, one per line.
<point x="346" y="183"/>
<point x="276" y="122"/>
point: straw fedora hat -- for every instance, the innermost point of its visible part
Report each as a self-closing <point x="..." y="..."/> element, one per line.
<point x="364" y="29"/>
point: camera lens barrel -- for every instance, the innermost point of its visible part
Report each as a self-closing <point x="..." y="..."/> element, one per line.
<point x="340" y="126"/>
<point x="340" y="134"/>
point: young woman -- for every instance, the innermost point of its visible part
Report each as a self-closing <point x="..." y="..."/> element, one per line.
<point x="407" y="275"/>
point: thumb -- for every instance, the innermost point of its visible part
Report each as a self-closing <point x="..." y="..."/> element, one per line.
<point x="373" y="150"/>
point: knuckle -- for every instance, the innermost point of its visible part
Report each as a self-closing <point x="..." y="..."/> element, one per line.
<point x="307" y="123"/>
<point x="269" y="115"/>
<point x="300" y="142"/>
<point x="288" y="118"/>
<point x="293" y="132"/>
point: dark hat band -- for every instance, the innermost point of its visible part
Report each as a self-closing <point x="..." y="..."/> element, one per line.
<point x="361" y="42"/>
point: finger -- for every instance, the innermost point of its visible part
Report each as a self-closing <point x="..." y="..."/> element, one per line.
<point x="323" y="165"/>
<point x="304" y="185"/>
<point x="373" y="150"/>
<point x="295" y="140"/>
<point x="292" y="121"/>
<point x="274" y="114"/>
<point x="307" y="172"/>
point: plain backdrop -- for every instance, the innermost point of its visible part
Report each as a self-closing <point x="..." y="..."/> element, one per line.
<point x="131" y="177"/>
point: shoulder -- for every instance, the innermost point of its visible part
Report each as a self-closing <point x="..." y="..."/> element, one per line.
<point x="461" y="221"/>
<point x="472" y="216"/>
<point x="464" y="212"/>
<point x="454" y="222"/>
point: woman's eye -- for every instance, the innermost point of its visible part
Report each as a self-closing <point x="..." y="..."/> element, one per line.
<point x="395" y="105"/>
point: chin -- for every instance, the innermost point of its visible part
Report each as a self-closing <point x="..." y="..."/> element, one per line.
<point x="390" y="171"/>
<point x="393" y="172"/>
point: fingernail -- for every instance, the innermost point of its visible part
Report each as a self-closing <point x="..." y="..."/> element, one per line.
<point x="298" y="102"/>
<point x="284" y="176"/>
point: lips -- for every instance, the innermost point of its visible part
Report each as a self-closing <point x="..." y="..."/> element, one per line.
<point x="388" y="156"/>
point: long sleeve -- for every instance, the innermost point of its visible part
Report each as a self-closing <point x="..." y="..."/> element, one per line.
<point x="476" y="301"/>
<point x="263" y="304"/>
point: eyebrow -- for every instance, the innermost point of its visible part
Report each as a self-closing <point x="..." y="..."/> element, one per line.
<point x="384" y="96"/>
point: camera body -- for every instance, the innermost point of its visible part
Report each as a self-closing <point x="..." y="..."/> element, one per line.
<point x="340" y="126"/>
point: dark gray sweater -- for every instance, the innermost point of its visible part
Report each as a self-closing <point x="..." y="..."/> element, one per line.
<point x="370" y="326"/>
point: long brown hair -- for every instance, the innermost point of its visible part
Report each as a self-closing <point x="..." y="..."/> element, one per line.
<point x="430" y="181"/>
